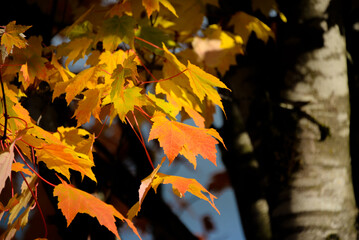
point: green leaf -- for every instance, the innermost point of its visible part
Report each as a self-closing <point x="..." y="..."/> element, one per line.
<point x="116" y="30"/>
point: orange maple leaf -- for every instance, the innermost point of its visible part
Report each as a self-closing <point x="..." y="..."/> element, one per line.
<point x="182" y="185"/>
<point x="73" y="201"/>
<point x="19" y="167"/>
<point x="189" y="141"/>
<point x="62" y="158"/>
<point x="13" y="36"/>
<point x="154" y="5"/>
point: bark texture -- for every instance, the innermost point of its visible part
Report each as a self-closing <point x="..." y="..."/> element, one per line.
<point x="317" y="199"/>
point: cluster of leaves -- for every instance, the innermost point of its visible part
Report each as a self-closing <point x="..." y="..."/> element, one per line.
<point x="120" y="42"/>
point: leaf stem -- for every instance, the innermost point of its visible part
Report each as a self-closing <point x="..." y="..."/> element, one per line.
<point x="141" y="140"/>
<point x="149" y="43"/>
<point x="33" y="170"/>
<point x="147" y="70"/>
<point x="103" y="125"/>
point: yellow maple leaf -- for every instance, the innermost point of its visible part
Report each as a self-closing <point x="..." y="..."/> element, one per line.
<point x="218" y="48"/>
<point x="126" y="102"/>
<point x="13" y="36"/>
<point x="75" y="49"/>
<point x="116" y="30"/>
<point x="86" y="78"/>
<point x="203" y="84"/>
<point x="154" y="5"/>
<point x="78" y="139"/>
<point x="244" y="24"/>
<point x="89" y="104"/>
<point x="61" y="158"/>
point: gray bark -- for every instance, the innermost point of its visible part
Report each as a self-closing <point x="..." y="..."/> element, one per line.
<point x="317" y="199"/>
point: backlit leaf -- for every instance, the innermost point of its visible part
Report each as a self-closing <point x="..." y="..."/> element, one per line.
<point x="19" y="167"/>
<point x="75" y="50"/>
<point x="181" y="185"/>
<point x="62" y="158"/>
<point x="116" y="30"/>
<point x="178" y="138"/>
<point x="13" y="36"/>
<point x="78" y="139"/>
<point x="146" y="184"/>
<point x="72" y="201"/>
<point x="6" y="159"/>
<point x="89" y="104"/>
<point x="245" y="24"/>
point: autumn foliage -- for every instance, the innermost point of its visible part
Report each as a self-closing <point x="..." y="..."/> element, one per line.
<point x="120" y="42"/>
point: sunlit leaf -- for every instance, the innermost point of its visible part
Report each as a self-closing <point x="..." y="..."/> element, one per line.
<point x="13" y="36"/>
<point x="181" y="185"/>
<point x="72" y="201"/>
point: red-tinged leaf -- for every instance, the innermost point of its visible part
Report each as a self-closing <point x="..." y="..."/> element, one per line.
<point x="151" y="6"/>
<point x="72" y="201"/>
<point x="182" y="185"/>
<point x="6" y="159"/>
<point x="142" y="192"/>
<point x="25" y="73"/>
<point x="175" y="138"/>
<point x="62" y="158"/>
<point x="19" y="167"/>
<point x="13" y="36"/>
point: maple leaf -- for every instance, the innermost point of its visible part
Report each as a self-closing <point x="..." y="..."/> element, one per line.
<point x="86" y="78"/>
<point x="24" y="200"/>
<point x="72" y="201"/>
<point x="64" y="73"/>
<point x="177" y="88"/>
<point x="178" y="138"/>
<point x="13" y="36"/>
<point x="154" y="5"/>
<point x="182" y="185"/>
<point x="116" y="30"/>
<point x="89" y="104"/>
<point x="78" y="139"/>
<point x="162" y="105"/>
<point x="19" y="167"/>
<point x="10" y="204"/>
<point x="217" y="49"/>
<point x="125" y="102"/>
<point x="6" y="159"/>
<point x="244" y="24"/>
<point x="62" y="158"/>
<point x="75" y="49"/>
<point x="143" y="190"/>
<point x="204" y="84"/>
<point x="193" y="79"/>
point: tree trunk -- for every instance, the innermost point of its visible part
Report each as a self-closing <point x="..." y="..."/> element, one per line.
<point x="315" y="199"/>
